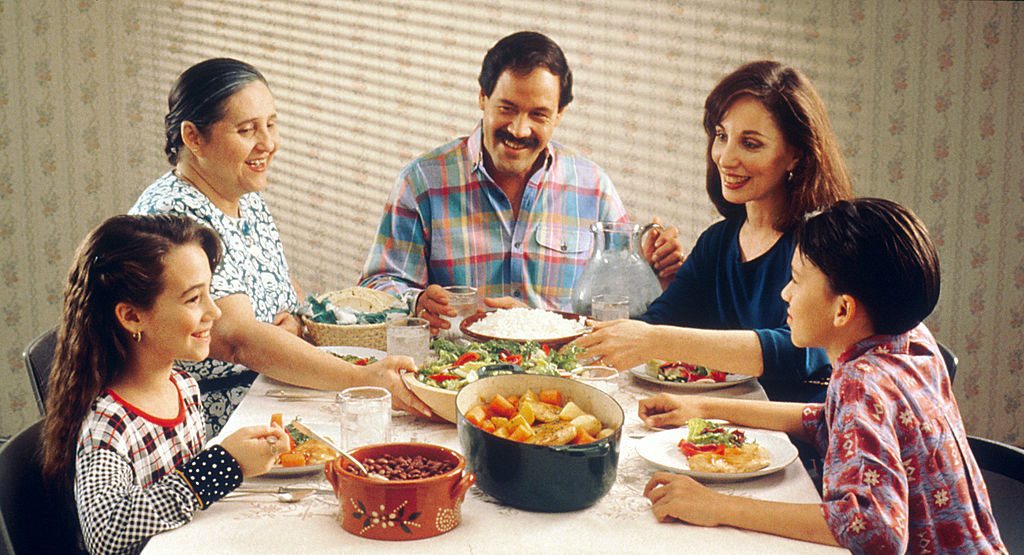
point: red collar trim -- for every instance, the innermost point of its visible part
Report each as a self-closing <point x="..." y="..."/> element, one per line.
<point x="165" y="422"/>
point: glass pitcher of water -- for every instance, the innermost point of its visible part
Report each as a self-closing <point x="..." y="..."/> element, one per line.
<point x="617" y="267"/>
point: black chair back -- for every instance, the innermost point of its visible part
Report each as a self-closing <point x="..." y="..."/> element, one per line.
<point x="1002" y="466"/>
<point x="38" y="358"/>
<point x="31" y="519"/>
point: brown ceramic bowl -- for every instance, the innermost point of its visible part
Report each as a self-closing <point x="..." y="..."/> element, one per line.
<point x="399" y="509"/>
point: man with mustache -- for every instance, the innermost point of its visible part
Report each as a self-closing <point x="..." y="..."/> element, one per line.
<point x="504" y="209"/>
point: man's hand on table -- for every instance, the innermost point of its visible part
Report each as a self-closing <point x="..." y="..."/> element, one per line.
<point x="431" y="305"/>
<point x="663" y="249"/>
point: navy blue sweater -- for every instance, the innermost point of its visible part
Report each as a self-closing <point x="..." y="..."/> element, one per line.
<point x="714" y="289"/>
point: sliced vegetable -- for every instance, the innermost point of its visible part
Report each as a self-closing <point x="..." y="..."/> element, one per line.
<point x="476" y="415"/>
<point x="551" y="397"/>
<point x="500" y="406"/>
<point x="466" y="357"/>
<point x="292" y="459"/>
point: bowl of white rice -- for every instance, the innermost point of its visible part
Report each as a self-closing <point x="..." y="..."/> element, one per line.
<point x="547" y="327"/>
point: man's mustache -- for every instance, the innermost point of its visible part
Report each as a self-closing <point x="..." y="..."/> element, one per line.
<point x="528" y="142"/>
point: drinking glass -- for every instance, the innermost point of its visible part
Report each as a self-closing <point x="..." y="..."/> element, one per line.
<point x="409" y="337"/>
<point x="609" y="307"/>
<point x="602" y="377"/>
<point x="463" y="300"/>
<point x="365" y="416"/>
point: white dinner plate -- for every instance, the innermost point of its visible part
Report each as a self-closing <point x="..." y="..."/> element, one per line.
<point x="361" y="352"/>
<point x="320" y="428"/>
<point x="730" y="380"/>
<point x="662" y="450"/>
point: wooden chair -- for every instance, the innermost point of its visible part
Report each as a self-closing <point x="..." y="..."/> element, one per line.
<point x="38" y="357"/>
<point x="32" y="519"/>
<point x="1002" y="466"/>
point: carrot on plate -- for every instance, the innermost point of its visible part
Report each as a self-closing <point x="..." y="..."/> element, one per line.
<point x="292" y="459"/>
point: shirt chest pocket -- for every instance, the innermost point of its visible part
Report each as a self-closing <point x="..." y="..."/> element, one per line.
<point x="568" y="241"/>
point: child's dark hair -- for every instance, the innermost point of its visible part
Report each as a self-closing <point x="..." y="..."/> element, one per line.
<point x="880" y="253"/>
<point x="122" y="260"/>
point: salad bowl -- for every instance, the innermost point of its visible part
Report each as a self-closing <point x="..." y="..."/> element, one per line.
<point x="438" y="382"/>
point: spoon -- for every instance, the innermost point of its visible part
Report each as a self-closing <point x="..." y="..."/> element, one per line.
<point x="294" y="496"/>
<point x="289" y="496"/>
<point x="298" y="425"/>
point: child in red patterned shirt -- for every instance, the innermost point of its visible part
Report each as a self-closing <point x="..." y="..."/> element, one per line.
<point x="122" y="423"/>
<point x="898" y="474"/>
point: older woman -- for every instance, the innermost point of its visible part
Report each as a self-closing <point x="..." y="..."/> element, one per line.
<point x="771" y="158"/>
<point x="221" y="139"/>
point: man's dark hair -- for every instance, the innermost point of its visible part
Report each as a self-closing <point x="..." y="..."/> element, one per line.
<point x="878" y="252"/>
<point x="522" y="53"/>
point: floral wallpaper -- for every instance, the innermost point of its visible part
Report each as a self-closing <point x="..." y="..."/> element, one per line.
<point x="919" y="93"/>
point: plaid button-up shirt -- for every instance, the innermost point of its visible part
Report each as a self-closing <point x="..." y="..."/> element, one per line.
<point x="447" y="222"/>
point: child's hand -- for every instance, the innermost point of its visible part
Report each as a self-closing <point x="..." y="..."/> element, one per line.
<point x="256" y="447"/>
<point x="668" y="411"/>
<point x="683" y="498"/>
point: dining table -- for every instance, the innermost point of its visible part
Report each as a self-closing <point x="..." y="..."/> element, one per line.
<point x="620" y="522"/>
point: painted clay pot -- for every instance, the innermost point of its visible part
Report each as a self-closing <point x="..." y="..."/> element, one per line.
<point x="399" y="509"/>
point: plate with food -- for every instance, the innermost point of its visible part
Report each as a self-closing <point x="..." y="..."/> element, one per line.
<point x="437" y="382"/>
<point x="546" y="327"/>
<point x="715" y="452"/>
<point x="684" y="376"/>
<point x="305" y="456"/>
<point x="360" y="356"/>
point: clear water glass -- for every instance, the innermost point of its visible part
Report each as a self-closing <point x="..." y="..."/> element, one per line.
<point x="609" y="307"/>
<point x="602" y="377"/>
<point x="365" y="416"/>
<point x="409" y="337"/>
<point x="463" y="300"/>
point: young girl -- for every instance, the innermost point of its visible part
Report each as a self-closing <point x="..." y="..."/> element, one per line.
<point x="898" y="473"/>
<point x="122" y="423"/>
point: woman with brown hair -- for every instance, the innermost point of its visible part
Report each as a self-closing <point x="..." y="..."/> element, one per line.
<point x="123" y="423"/>
<point x="771" y="157"/>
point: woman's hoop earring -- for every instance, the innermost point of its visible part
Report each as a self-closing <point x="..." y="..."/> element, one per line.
<point x="137" y="336"/>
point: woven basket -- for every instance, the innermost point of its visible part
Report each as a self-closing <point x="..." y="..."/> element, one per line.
<point x="371" y="336"/>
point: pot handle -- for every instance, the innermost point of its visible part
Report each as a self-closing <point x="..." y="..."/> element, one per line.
<point x="331" y="473"/>
<point x="462" y="486"/>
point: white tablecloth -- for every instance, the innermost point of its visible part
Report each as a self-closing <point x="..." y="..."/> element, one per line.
<point x="621" y="522"/>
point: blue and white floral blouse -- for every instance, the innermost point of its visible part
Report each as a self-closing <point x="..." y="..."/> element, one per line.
<point x="253" y="265"/>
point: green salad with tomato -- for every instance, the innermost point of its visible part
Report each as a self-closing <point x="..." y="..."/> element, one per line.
<point x="457" y="365"/>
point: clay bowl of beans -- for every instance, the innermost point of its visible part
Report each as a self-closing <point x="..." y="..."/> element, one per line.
<point x="422" y="496"/>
